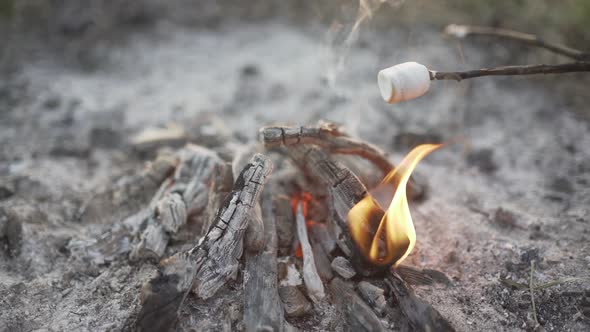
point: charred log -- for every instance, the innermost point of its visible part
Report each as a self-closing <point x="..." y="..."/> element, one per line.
<point x="357" y="315"/>
<point x="262" y="306"/>
<point x="333" y="139"/>
<point x="183" y="193"/>
<point x="207" y="266"/>
<point x="345" y="191"/>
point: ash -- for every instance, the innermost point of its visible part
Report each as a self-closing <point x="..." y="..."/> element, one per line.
<point x="511" y="188"/>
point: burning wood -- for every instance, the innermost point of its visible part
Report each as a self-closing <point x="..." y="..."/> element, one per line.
<point x="384" y="236"/>
<point x="207" y="266"/>
<point x="381" y="224"/>
<point x="345" y="191"/>
<point x="333" y="139"/>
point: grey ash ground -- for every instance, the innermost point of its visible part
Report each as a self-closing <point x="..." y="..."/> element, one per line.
<point x="513" y="187"/>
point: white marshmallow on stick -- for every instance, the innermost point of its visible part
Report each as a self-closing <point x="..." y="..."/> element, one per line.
<point x="404" y="81"/>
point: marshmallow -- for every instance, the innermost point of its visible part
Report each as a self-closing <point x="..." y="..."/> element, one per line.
<point x="402" y="82"/>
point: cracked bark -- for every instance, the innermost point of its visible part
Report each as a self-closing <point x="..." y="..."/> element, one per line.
<point x="206" y="267"/>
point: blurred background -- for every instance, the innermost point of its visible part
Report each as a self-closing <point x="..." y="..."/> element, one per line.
<point x="69" y="25"/>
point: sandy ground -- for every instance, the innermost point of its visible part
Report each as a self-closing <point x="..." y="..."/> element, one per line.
<point x="514" y="144"/>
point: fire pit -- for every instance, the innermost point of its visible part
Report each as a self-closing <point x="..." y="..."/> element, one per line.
<point x="364" y="234"/>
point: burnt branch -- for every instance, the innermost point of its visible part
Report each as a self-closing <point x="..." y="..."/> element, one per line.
<point x="332" y="139"/>
<point x="512" y="71"/>
<point x="345" y="191"/>
<point x="421" y="315"/>
<point x="311" y="278"/>
<point x="207" y="266"/>
<point x="328" y="136"/>
<point x="462" y="31"/>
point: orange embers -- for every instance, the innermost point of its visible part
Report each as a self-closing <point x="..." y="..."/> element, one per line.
<point x="387" y="236"/>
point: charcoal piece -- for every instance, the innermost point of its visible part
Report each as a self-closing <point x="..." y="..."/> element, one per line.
<point x="294" y="302"/>
<point x="171" y="212"/>
<point x="373" y="295"/>
<point x="343" y="267"/>
<point x="483" y="159"/>
<point x="421" y="315"/>
<point x="355" y="314"/>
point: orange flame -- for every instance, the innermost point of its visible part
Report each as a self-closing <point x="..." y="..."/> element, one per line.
<point x="388" y="237"/>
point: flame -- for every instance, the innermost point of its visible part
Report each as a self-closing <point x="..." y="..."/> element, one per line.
<point x="387" y="237"/>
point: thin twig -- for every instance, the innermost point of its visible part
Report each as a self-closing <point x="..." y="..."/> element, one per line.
<point x="461" y="31"/>
<point x="512" y="70"/>
<point x="549" y="284"/>
<point x="532" y="291"/>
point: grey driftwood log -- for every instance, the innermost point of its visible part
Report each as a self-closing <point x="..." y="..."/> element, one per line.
<point x="206" y="267"/>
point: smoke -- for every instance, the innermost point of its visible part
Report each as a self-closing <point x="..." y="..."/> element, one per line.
<point x="344" y="32"/>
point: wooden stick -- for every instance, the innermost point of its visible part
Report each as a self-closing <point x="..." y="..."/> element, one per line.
<point x="512" y="70"/>
<point x="311" y="278"/>
<point x="462" y="31"/>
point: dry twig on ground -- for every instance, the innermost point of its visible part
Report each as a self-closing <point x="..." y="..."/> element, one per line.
<point x="462" y="31"/>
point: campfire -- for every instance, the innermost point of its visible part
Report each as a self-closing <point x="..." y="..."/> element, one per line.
<point x="300" y="228"/>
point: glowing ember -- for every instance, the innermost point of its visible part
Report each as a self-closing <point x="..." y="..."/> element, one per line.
<point x="388" y="237"/>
